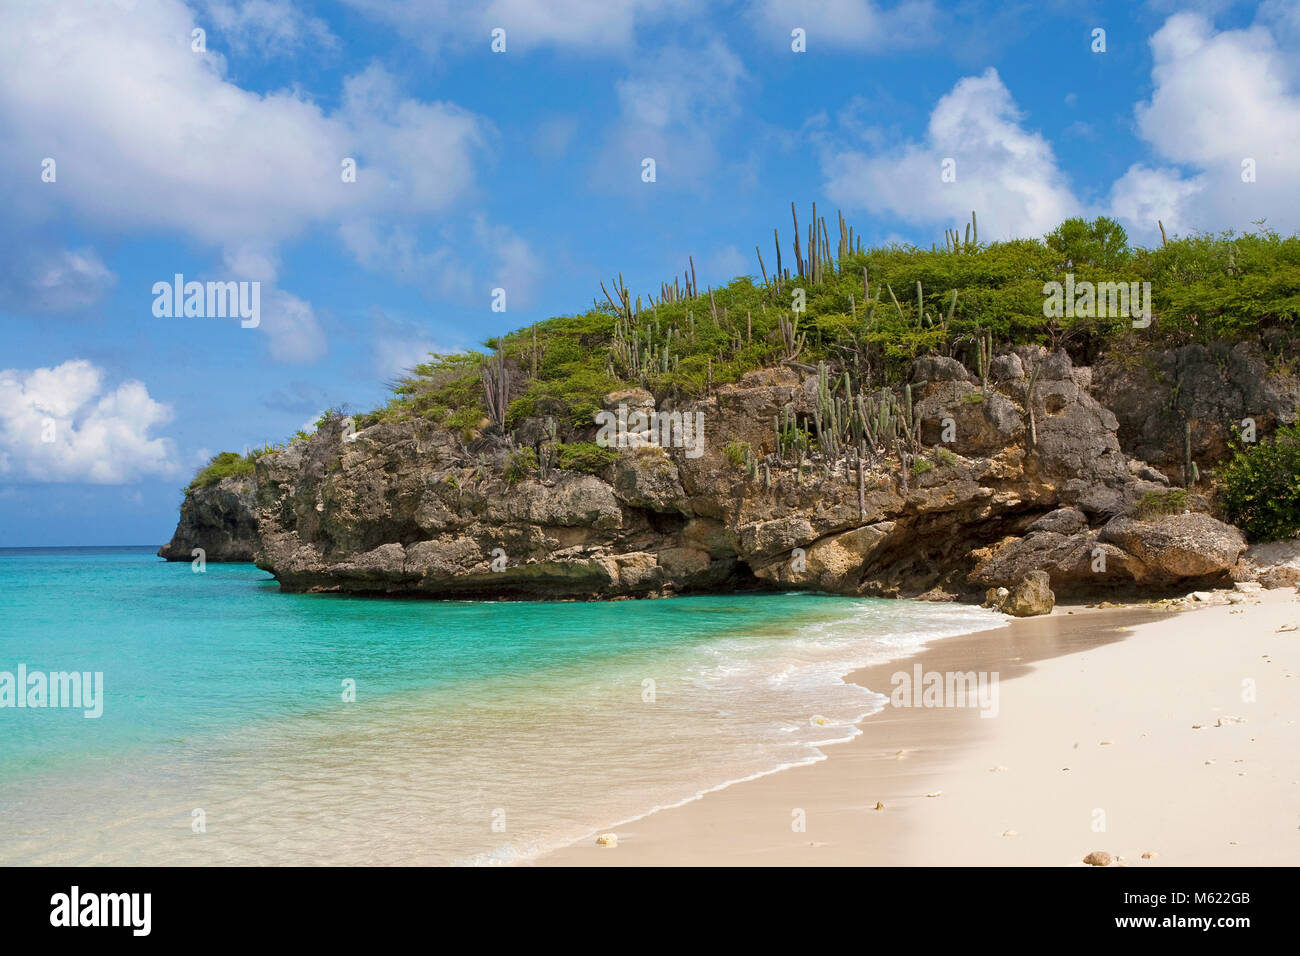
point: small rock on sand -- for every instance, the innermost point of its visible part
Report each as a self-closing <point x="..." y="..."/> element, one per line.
<point x="879" y="805"/>
<point x="1149" y="855"/>
<point x="607" y="839"/>
<point x="1098" y="858"/>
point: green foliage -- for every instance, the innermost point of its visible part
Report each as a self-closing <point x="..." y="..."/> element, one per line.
<point x="1157" y="503"/>
<point x="585" y="456"/>
<point x="1261" y="487"/>
<point x="736" y="452"/>
<point x="914" y="301"/>
<point x="1102" y="243"/>
<point x="921" y="465"/>
<point x="227" y="464"/>
<point x="519" y="465"/>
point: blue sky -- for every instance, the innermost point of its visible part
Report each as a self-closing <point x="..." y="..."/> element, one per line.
<point x="522" y="170"/>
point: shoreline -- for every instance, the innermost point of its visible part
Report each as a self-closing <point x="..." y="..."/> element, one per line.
<point x="1013" y="790"/>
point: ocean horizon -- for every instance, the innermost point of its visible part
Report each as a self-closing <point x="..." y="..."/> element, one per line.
<point x="479" y="731"/>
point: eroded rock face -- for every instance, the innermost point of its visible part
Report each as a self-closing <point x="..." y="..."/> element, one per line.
<point x="221" y="519"/>
<point x="1214" y="387"/>
<point x="992" y="497"/>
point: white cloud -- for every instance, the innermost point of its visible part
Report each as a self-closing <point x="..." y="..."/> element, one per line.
<point x="293" y="333"/>
<point x="149" y="135"/>
<point x="1145" y="198"/>
<point x="1004" y="172"/>
<point x="672" y="106"/>
<point x="1219" y="98"/>
<point x="62" y="424"/>
<point x="270" y="28"/>
<point x="857" y="24"/>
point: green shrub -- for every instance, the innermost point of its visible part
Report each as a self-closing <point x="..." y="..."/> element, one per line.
<point x="519" y="465"/>
<point x="920" y="466"/>
<point x="227" y="464"/>
<point x="585" y="456"/>
<point x="1157" y="503"/>
<point x="1261" y="487"/>
<point x="737" y="453"/>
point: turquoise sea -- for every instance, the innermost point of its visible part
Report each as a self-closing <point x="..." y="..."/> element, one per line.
<point x="481" y="732"/>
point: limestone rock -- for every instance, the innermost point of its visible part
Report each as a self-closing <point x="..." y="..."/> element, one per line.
<point x="1178" y="547"/>
<point x="1031" y="597"/>
<point x="221" y="519"/>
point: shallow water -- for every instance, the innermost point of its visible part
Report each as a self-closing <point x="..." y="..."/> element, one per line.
<point x="481" y="732"/>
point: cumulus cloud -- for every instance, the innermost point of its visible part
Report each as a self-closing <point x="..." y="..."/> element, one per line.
<point x="63" y="424"/>
<point x="1006" y="173"/>
<point x="148" y="135"/>
<point x="1219" y="98"/>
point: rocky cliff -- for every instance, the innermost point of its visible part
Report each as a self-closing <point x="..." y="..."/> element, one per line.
<point x="1024" y="474"/>
<point x="221" y="519"/>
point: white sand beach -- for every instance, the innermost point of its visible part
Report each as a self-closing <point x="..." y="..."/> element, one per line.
<point x="1161" y="738"/>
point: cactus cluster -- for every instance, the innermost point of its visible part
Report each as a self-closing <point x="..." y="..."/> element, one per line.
<point x="496" y="388"/>
<point x="845" y="421"/>
<point x="953" y="239"/>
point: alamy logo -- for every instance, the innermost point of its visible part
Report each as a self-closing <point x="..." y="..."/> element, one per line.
<point x="74" y="689"/>
<point x="211" y="300"/>
<point x="1102" y="300"/>
<point x="946" y="689"/>
<point x="103" y="909"/>
<point x="642" y="429"/>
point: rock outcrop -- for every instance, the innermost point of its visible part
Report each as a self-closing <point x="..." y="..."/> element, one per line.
<point x="1214" y="387"/>
<point x="221" y="519"/>
<point x="1022" y="485"/>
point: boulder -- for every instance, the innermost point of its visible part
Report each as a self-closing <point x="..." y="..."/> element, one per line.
<point x="1177" y="547"/>
<point x="939" y="368"/>
<point x="1061" y="521"/>
<point x="1031" y="597"/>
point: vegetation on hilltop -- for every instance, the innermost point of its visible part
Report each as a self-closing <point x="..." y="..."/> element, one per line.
<point x="867" y="313"/>
<point x="227" y="464"/>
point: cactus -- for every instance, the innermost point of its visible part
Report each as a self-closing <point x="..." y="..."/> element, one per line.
<point x="791" y="337"/>
<point x="984" y="357"/>
<point x="1029" y="404"/>
<point x="496" y="388"/>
